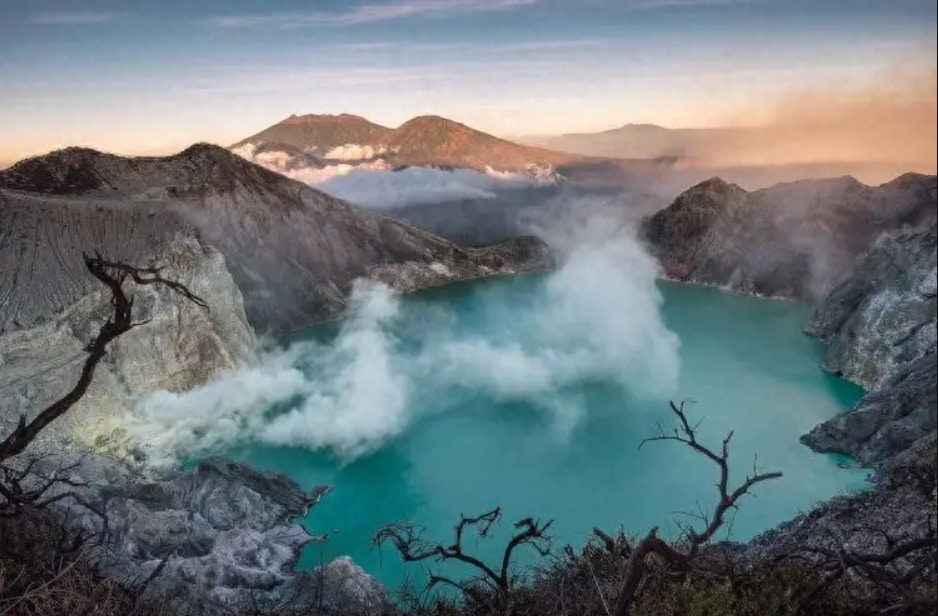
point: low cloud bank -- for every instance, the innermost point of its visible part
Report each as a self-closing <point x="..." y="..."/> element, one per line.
<point x="374" y="184"/>
<point x="383" y="190"/>
<point x="352" y="151"/>
<point x="595" y="319"/>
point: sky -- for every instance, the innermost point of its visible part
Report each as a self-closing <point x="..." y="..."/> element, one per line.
<point x="147" y="77"/>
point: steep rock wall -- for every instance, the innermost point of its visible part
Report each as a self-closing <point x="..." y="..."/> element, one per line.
<point x="50" y="307"/>
<point x="880" y="328"/>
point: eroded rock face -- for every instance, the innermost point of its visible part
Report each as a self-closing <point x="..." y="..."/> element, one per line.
<point x="880" y="329"/>
<point x="793" y="240"/>
<point x="50" y="307"/>
<point x="221" y="533"/>
<point x="867" y="252"/>
<point x="292" y="253"/>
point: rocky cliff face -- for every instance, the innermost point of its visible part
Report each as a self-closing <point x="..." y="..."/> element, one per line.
<point x="879" y="325"/>
<point x="794" y="240"/>
<point x="50" y="307"/>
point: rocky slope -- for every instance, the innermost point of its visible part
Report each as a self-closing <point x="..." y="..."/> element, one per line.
<point x="293" y="251"/>
<point x="866" y="253"/>
<point x="214" y="540"/>
<point x="50" y="307"/>
<point x="792" y="240"/>
<point x="879" y="326"/>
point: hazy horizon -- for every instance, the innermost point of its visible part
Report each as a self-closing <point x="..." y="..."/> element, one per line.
<point x="134" y="77"/>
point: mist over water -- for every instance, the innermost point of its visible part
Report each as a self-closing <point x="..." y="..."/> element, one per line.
<point x="531" y="393"/>
<point x="595" y="319"/>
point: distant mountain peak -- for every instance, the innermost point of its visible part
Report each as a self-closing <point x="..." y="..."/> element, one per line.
<point x="716" y="183"/>
<point x="640" y="126"/>
<point x="428" y="131"/>
<point x="314" y="118"/>
<point x="425" y="140"/>
<point x="203" y="149"/>
<point x="431" y="120"/>
<point x="319" y="133"/>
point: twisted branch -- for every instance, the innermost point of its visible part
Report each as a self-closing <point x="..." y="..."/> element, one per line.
<point x="113" y="275"/>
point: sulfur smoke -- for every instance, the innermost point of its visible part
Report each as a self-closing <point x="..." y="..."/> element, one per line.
<point x="595" y="319"/>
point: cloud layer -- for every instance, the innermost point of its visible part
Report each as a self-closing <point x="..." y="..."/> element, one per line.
<point x="369" y="13"/>
<point x="373" y="184"/>
<point x="72" y="18"/>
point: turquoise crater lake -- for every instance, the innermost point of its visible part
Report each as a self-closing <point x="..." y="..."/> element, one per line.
<point x="564" y="447"/>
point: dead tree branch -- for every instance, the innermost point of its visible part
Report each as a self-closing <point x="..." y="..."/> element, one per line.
<point x="408" y="542"/>
<point x="904" y="560"/>
<point x="113" y="275"/>
<point x="682" y="559"/>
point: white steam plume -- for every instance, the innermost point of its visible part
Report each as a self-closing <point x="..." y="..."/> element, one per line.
<point x="595" y="319"/>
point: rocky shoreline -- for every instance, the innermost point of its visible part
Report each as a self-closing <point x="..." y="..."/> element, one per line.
<point x="876" y="316"/>
<point x="217" y="538"/>
<point x="879" y="326"/>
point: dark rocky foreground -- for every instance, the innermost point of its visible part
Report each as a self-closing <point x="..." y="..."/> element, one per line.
<point x="217" y="539"/>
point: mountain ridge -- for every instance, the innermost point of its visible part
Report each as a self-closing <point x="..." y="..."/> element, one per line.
<point x="428" y="141"/>
<point x="425" y="140"/>
<point x="792" y="239"/>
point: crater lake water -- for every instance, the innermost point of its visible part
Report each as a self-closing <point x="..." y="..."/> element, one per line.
<point x="547" y="437"/>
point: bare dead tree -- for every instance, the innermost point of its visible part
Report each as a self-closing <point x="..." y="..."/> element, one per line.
<point x="494" y="582"/>
<point x="891" y="571"/>
<point x="113" y="275"/>
<point x="681" y="555"/>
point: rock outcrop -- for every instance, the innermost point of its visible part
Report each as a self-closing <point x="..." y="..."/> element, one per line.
<point x="214" y="540"/>
<point x="50" y="307"/>
<point x="901" y="504"/>
<point x="794" y="240"/>
<point x="879" y="326"/>
<point x="867" y="256"/>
